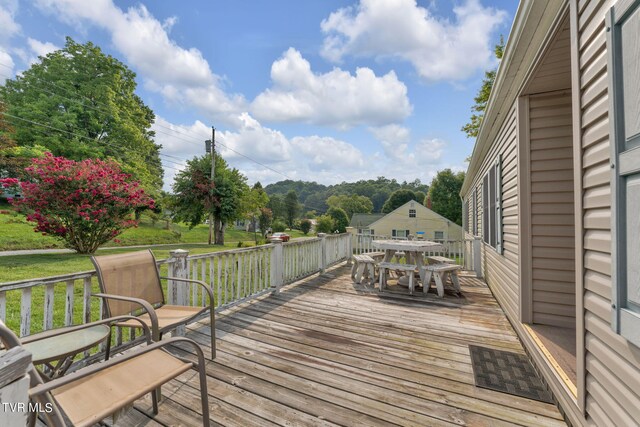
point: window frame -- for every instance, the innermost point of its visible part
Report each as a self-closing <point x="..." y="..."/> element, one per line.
<point x="412" y="211"/>
<point x="625" y="315"/>
<point x="492" y="206"/>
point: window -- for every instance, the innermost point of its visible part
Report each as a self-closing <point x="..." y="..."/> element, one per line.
<point x="366" y="231"/>
<point x="492" y="206"/>
<point x="402" y="234"/>
<point x="438" y="235"/>
<point x="474" y="211"/>
<point x="412" y="213"/>
<point x="623" y="23"/>
<point x="465" y="215"/>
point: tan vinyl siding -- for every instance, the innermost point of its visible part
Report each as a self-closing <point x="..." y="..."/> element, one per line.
<point x="612" y="364"/>
<point x="501" y="271"/>
<point x="552" y="209"/>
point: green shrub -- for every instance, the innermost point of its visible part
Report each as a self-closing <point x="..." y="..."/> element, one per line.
<point x="305" y="226"/>
<point x="278" y="226"/>
<point x="325" y="224"/>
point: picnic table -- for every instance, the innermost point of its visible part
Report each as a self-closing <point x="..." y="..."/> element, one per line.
<point x="413" y="249"/>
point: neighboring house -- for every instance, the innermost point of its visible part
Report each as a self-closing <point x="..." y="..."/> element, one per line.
<point x="553" y="191"/>
<point x="410" y="218"/>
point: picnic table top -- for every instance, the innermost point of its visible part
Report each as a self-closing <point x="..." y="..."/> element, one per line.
<point x="408" y="245"/>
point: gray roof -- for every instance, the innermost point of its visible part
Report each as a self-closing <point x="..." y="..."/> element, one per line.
<point x="363" y="220"/>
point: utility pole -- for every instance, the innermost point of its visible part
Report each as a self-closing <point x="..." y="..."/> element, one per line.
<point x="211" y="147"/>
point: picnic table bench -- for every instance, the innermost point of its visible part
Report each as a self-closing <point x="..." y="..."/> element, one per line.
<point x="440" y="273"/>
<point x="363" y="267"/>
<point x="384" y="266"/>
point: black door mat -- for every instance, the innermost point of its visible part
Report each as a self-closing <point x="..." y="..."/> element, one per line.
<point x="510" y="373"/>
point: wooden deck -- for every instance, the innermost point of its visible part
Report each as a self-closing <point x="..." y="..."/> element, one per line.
<point x="328" y="352"/>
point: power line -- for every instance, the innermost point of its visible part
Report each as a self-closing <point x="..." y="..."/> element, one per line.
<point x="174" y="131"/>
<point x="81" y="136"/>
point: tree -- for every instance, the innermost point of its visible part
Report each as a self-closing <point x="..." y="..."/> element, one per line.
<point x="85" y="204"/>
<point x="305" y="226"/>
<point x="445" y="195"/>
<point x="397" y="199"/>
<point x="276" y="205"/>
<point x="264" y="219"/>
<point x="473" y="127"/>
<point x="351" y="203"/>
<point x="196" y="196"/>
<point x="325" y="224"/>
<point x="252" y="202"/>
<point x="89" y="98"/>
<point x="340" y="218"/>
<point x="291" y="207"/>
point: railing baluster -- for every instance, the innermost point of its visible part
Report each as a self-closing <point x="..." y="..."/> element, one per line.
<point x="25" y="312"/>
<point x="239" y="273"/>
<point x="68" y="306"/>
<point x="86" y="304"/>
<point x="3" y="306"/>
<point x="47" y="320"/>
<point x="219" y="299"/>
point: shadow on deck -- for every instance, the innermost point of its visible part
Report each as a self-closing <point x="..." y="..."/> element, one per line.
<point x="326" y="351"/>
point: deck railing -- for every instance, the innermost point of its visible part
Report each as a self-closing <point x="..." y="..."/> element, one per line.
<point x="462" y="251"/>
<point x="31" y="306"/>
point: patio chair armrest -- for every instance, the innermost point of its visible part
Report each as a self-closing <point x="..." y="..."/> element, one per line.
<point x="198" y="282"/>
<point x="145" y="306"/>
<point x="108" y="320"/>
<point x="92" y="369"/>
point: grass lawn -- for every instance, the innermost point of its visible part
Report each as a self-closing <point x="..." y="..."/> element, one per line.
<point x="17" y="233"/>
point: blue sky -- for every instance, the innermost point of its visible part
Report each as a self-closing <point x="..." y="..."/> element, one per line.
<point x="322" y="90"/>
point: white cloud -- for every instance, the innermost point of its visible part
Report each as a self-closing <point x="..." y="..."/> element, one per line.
<point x="182" y="75"/>
<point x="328" y="154"/>
<point x="8" y="28"/>
<point x="40" y="49"/>
<point x="393" y="138"/>
<point x="438" y="48"/>
<point x="336" y="98"/>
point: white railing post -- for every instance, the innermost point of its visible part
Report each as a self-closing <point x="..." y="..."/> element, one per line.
<point x="178" y="294"/>
<point x="277" y="265"/>
<point x="477" y="256"/>
<point x="323" y="252"/>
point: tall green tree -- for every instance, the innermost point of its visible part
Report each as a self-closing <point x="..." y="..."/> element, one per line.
<point x="477" y="111"/>
<point x="397" y="199"/>
<point x="276" y="204"/>
<point x="444" y="193"/>
<point x="341" y="221"/>
<point x="196" y="196"/>
<point x="90" y="100"/>
<point x="291" y="207"/>
<point x="351" y="203"/>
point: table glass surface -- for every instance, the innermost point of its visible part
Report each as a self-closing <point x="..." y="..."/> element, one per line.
<point x="58" y="346"/>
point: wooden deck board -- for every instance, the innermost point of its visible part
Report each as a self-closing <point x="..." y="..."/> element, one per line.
<point x="326" y="351"/>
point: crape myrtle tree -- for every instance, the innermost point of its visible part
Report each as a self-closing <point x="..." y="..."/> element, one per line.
<point x="196" y="196"/>
<point x="87" y="99"/>
<point x="85" y="204"/>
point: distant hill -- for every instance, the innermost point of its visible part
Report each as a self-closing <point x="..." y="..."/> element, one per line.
<point x="313" y="195"/>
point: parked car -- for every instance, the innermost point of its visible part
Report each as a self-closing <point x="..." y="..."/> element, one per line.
<point x="282" y="236"/>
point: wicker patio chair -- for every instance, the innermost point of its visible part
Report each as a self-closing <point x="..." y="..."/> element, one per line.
<point x="130" y="284"/>
<point x="91" y="394"/>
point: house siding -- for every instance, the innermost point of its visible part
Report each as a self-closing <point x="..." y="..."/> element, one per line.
<point x="612" y="364"/>
<point x="501" y="271"/>
<point x="552" y="208"/>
